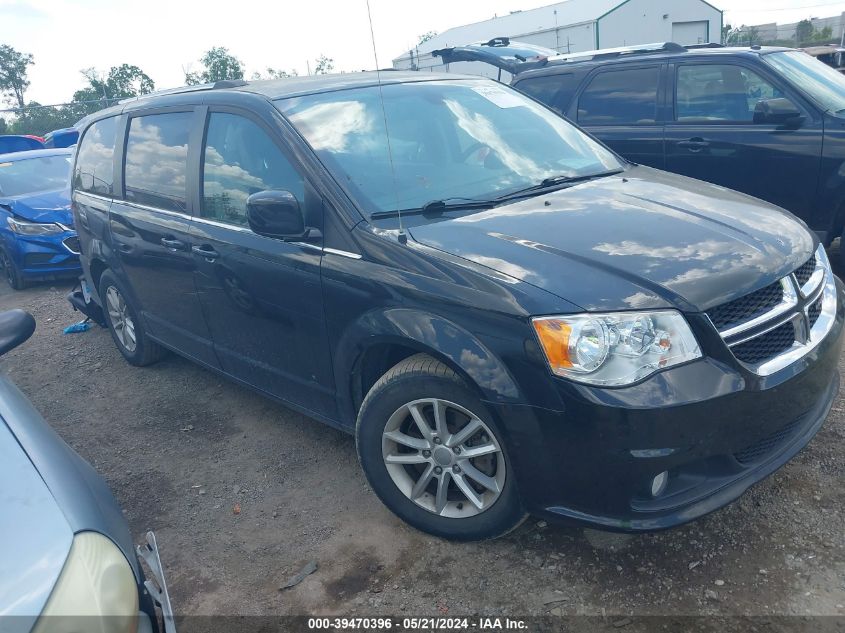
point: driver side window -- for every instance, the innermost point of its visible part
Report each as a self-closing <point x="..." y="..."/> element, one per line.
<point x="241" y="159"/>
<point x="720" y="92"/>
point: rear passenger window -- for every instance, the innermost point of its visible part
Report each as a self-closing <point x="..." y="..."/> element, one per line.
<point x="553" y="90"/>
<point x="157" y="160"/>
<point x="620" y="97"/>
<point x="94" y="171"/>
<point x="241" y="159"/>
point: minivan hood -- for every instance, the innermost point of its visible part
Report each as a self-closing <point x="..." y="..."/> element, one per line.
<point x="45" y="206"/>
<point x="639" y="240"/>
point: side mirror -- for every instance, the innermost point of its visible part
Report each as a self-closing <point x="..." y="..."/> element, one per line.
<point x="777" y="112"/>
<point x="275" y="214"/>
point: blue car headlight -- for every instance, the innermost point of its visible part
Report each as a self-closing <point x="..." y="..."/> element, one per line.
<point x="24" y="227"/>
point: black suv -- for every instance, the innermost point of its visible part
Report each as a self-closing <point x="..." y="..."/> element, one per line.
<point x="507" y="315"/>
<point x="769" y="122"/>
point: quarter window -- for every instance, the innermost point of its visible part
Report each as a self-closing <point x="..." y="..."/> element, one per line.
<point x="157" y="160"/>
<point x="720" y="92"/>
<point x="241" y="159"/>
<point x="620" y="97"/>
<point x="94" y="171"/>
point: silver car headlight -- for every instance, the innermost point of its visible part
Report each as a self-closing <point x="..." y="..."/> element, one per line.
<point x="23" y="227"/>
<point x="96" y="591"/>
<point x="616" y="348"/>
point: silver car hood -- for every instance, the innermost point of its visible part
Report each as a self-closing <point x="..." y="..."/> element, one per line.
<point x="35" y="537"/>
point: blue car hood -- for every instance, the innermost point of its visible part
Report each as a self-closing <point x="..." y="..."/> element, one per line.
<point x="44" y="206"/>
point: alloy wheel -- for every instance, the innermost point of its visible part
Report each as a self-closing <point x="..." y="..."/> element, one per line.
<point x="444" y="458"/>
<point x="121" y="320"/>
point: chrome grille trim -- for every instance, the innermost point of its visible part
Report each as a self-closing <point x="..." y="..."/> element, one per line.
<point x="795" y="307"/>
<point x="789" y="302"/>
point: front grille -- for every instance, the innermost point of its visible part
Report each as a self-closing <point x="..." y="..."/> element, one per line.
<point x="32" y="260"/>
<point x="72" y="244"/>
<point x="803" y="274"/>
<point x="814" y="312"/>
<point x="767" y="445"/>
<point x="747" y="307"/>
<point x="767" y="345"/>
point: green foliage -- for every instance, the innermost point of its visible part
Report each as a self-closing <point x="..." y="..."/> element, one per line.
<point x="13" y="74"/>
<point x="740" y="36"/>
<point x="426" y="36"/>
<point x="274" y="73"/>
<point x="219" y="65"/>
<point x="806" y="34"/>
<point x="324" y="65"/>
<point x="4" y="127"/>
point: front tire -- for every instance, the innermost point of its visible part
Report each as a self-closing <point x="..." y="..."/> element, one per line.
<point x="126" y="328"/>
<point x="433" y="454"/>
<point x="10" y="270"/>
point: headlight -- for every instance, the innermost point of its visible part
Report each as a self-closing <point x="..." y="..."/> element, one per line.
<point x="615" y="349"/>
<point x="96" y="591"/>
<point x="23" y="227"/>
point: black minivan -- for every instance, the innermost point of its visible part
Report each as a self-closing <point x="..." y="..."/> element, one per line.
<point x="508" y="316"/>
<point x="766" y="121"/>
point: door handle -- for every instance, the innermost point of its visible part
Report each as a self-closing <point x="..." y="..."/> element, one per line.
<point x="205" y="251"/>
<point x="694" y="144"/>
<point x="173" y="244"/>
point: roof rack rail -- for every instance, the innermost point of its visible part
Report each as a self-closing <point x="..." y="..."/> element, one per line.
<point x="691" y="47"/>
<point x="170" y="91"/>
<point x="604" y="53"/>
<point x="229" y="83"/>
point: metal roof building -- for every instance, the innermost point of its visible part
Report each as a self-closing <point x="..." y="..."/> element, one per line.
<point x="579" y="25"/>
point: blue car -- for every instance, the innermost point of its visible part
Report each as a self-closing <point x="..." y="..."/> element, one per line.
<point x="66" y="137"/>
<point x="18" y="143"/>
<point x="37" y="238"/>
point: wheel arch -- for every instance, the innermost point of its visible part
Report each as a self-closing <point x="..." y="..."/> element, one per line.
<point x="379" y="340"/>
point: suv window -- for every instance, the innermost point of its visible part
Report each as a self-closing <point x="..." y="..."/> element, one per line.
<point x="157" y="160"/>
<point x="720" y="92"/>
<point x="620" y="97"/>
<point x="241" y="159"/>
<point x="553" y="90"/>
<point x="94" y="171"/>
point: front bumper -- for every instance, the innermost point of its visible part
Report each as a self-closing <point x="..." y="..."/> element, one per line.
<point x="47" y="256"/>
<point x="715" y="429"/>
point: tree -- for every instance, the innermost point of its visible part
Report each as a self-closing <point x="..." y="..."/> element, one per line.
<point x="121" y="82"/>
<point x="804" y="31"/>
<point x="273" y="73"/>
<point x="4" y="127"/>
<point x="219" y="65"/>
<point x="324" y="65"/>
<point x="13" y="74"/>
<point x="426" y="36"/>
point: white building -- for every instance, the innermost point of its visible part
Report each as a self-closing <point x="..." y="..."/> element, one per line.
<point x="578" y="25"/>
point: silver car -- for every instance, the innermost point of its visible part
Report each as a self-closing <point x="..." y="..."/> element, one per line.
<point x="67" y="560"/>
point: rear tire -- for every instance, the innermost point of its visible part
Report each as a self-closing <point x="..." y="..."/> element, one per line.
<point x="415" y="433"/>
<point x="126" y="328"/>
<point x="11" y="271"/>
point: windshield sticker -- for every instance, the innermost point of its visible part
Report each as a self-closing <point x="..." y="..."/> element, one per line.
<point x="500" y="97"/>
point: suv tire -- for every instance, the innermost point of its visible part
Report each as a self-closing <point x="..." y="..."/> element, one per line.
<point x="415" y="431"/>
<point x="126" y="328"/>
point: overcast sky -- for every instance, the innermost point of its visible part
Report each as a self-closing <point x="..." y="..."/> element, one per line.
<point x="164" y="37"/>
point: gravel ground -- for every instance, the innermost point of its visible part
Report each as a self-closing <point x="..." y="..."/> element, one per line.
<point x="243" y="493"/>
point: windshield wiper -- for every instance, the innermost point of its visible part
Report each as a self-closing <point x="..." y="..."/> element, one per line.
<point x="557" y="181"/>
<point x="436" y="208"/>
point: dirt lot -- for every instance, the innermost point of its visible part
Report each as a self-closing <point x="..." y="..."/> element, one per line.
<point x="183" y="448"/>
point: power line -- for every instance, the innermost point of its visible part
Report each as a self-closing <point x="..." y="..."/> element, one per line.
<point x="59" y="105"/>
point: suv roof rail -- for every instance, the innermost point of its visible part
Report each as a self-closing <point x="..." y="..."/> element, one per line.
<point x="707" y="45"/>
<point x="604" y="53"/>
<point x="170" y="91"/>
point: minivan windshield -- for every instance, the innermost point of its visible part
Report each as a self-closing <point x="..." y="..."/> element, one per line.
<point x="30" y="175"/>
<point x="452" y="139"/>
<point x="823" y="84"/>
